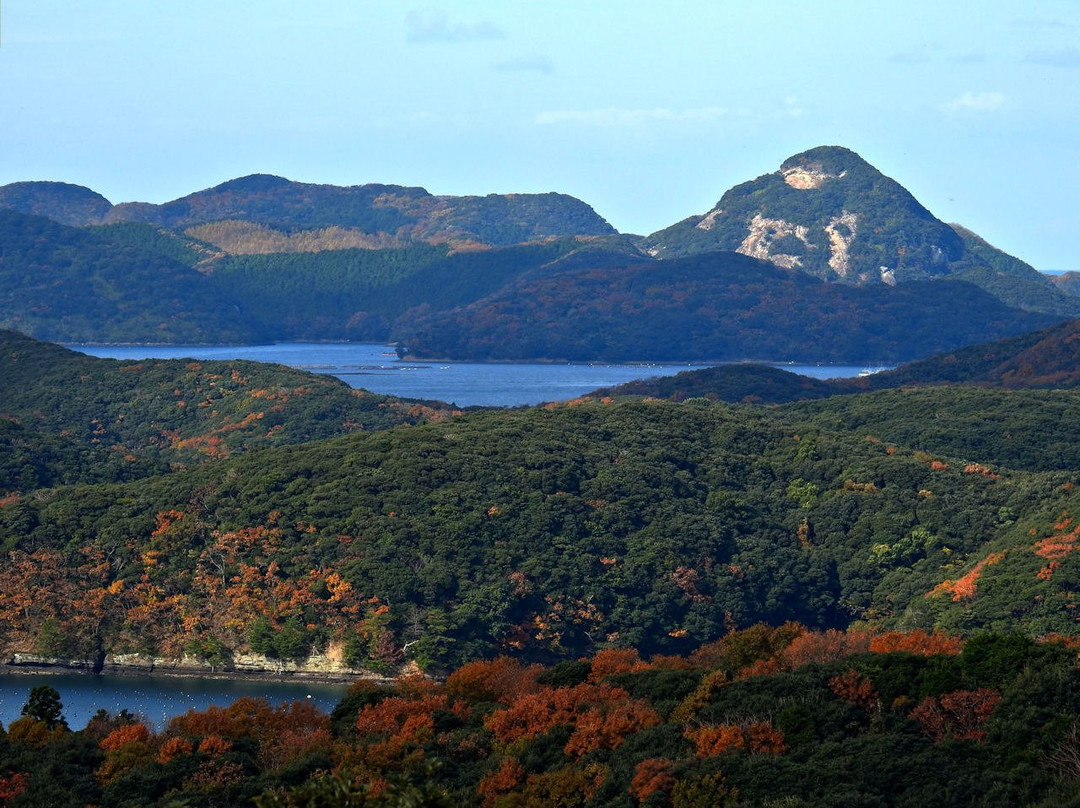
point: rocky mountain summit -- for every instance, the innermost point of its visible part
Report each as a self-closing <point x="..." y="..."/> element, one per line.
<point x="829" y="213"/>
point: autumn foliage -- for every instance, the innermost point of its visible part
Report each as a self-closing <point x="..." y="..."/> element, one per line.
<point x="854" y="688"/>
<point x="12" y="785"/>
<point x="756" y="737"/>
<point x="918" y="642"/>
<point x="508" y="776"/>
<point x="601" y="715"/>
<point x="501" y="680"/>
<point x="964" y="587"/>
<point x="651" y="776"/>
<point x="124" y="736"/>
<point x="959" y="714"/>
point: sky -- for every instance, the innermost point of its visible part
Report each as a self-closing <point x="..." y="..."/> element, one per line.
<point x="646" y="111"/>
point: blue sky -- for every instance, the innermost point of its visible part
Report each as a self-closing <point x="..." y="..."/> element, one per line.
<point x="646" y="111"/>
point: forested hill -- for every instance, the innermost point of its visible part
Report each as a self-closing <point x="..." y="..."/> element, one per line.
<point x="745" y="382"/>
<point x="1046" y="358"/>
<point x="67" y="284"/>
<point x="139" y="283"/>
<point x="60" y="201"/>
<point x="370" y="215"/>
<point x="718" y="306"/>
<point x="1049" y="358"/>
<point x="70" y="418"/>
<point x="548" y="533"/>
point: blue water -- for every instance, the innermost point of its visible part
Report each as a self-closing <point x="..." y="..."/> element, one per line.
<point x="375" y="367"/>
<point x="154" y="698"/>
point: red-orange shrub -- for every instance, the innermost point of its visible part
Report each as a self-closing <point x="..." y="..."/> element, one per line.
<point x="959" y="714"/>
<point x="917" y="642"/>
<point x="122" y="736"/>
<point x="499" y="680"/>
<point x="757" y="737"/>
<point x="611" y="661"/>
<point x="652" y="776"/>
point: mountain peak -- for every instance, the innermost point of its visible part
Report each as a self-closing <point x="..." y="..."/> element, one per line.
<point x="60" y="201"/>
<point x="827" y="212"/>
<point x="813" y="168"/>
<point x="832" y="159"/>
<point x="254" y="183"/>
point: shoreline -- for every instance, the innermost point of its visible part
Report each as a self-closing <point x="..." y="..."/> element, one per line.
<point x="41" y="667"/>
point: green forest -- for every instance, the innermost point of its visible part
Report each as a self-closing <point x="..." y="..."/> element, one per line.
<point x="68" y="418"/>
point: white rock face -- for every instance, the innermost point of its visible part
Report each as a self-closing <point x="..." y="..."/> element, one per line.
<point x="763" y="232"/>
<point x="841" y="232"/>
<point x="709" y="220"/>
<point x="805" y="178"/>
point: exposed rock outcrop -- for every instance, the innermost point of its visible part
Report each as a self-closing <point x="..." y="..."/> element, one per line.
<point x="764" y="233"/>
<point x="805" y="178"/>
<point x="323" y="667"/>
<point x="841" y="231"/>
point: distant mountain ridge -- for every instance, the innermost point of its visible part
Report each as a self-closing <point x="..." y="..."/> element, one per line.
<point x="135" y="282"/>
<point x="824" y="251"/>
<point x="375" y="215"/>
<point x="60" y="201"/>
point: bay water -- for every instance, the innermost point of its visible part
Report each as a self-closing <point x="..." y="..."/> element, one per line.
<point x="376" y="367"/>
<point x="155" y="699"/>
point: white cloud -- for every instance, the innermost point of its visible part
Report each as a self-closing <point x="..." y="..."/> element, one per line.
<point x="535" y="63"/>
<point x="436" y="26"/>
<point x="976" y="102"/>
<point x="616" y="116"/>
